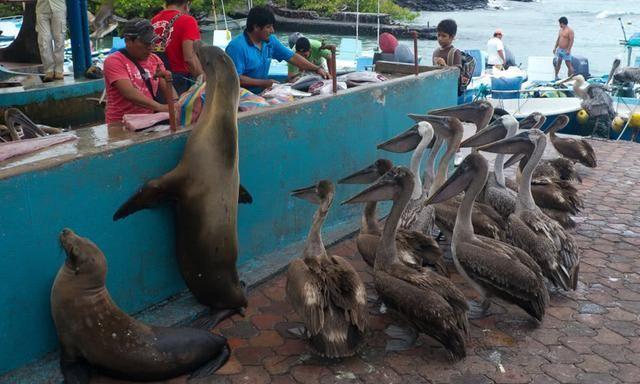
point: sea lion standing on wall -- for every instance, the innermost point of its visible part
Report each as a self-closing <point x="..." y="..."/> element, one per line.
<point x="94" y="332"/>
<point x="205" y="187"/>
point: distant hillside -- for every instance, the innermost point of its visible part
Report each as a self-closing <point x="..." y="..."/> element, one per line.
<point x="441" y="5"/>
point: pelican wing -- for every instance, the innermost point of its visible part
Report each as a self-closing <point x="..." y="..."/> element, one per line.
<point x="424" y="309"/>
<point x="503" y="200"/>
<point x="556" y="194"/>
<point x="305" y="293"/>
<point x="537" y="235"/>
<point x="423" y="250"/>
<point x="505" y="272"/>
<point x="346" y="290"/>
<point x="577" y="150"/>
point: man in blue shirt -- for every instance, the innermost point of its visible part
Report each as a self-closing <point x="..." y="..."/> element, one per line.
<point x="252" y="52"/>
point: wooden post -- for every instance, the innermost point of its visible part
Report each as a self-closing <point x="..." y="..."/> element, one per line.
<point x="415" y="51"/>
<point x="333" y="70"/>
<point x="168" y="96"/>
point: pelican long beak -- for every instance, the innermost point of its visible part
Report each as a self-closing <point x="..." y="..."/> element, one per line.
<point x="385" y="188"/>
<point x="405" y="142"/>
<point x="443" y="126"/>
<point x="457" y="182"/>
<point x="519" y="143"/>
<point x="309" y="194"/>
<point x="534" y="120"/>
<point x="514" y="159"/>
<point x="494" y="132"/>
<point x="560" y="122"/>
<point x="477" y="112"/>
<point x="364" y="176"/>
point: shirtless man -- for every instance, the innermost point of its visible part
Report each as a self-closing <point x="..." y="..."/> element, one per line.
<point x="564" y="43"/>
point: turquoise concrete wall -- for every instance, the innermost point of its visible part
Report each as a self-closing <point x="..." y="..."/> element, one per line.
<point x="280" y="150"/>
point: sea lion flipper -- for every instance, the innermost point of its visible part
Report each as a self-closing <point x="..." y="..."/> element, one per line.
<point x="149" y="195"/>
<point x="212" y="366"/>
<point x="74" y="371"/>
<point x="244" y="197"/>
<point x="214" y="317"/>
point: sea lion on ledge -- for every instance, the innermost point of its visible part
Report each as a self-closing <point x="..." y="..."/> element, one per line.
<point x="205" y="187"/>
<point x="94" y="332"/>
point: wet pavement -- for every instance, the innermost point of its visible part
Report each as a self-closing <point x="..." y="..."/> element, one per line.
<point x="591" y="335"/>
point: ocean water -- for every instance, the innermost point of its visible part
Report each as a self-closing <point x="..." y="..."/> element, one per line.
<point x="531" y="29"/>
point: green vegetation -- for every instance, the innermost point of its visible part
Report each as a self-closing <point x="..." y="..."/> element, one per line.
<point x="147" y="8"/>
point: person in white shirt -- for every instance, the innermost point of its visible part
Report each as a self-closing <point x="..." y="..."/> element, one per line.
<point x="51" y="24"/>
<point x="495" y="50"/>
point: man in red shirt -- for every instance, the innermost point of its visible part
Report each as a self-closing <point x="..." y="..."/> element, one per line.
<point x="129" y="75"/>
<point x="177" y="31"/>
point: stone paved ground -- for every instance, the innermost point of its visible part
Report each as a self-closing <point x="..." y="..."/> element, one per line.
<point x="588" y="336"/>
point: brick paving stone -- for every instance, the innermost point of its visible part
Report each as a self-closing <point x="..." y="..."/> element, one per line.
<point x="597" y="378"/>
<point x="574" y="328"/>
<point x="241" y="329"/>
<point x="232" y="367"/>
<point x="510" y="377"/>
<point x="470" y="378"/>
<point x="593" y="309"/>
<point x="252" y="355"/>
<point x="564" y="373"/>
<point x="291" y="347"/>
<point x="547" y="336"/>
<point x="593" y="321"/>
<point x="309" y="374"/>
<point x="564" y="355"/>
<point x="543" y="379"/>
<point x="613" y="353"/>
<point x="621" y="314"/>
<point x="278" y="365"/>
<point x="251" y="375"/>
<point x="340" y="378"/>
<point x="415" y="379"/>
<point x="624" y="328"/>
<point x="266" y="339"/>
<point x="628" y="373"/>
<point x="606" y="336"/>
<point x="595" y="364"/>
<point x="283" y="379"/>
<point x="380" y="375"/>
<point x="266" y="321"/>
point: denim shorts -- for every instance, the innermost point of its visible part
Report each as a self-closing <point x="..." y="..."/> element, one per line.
<point x="562" y="54"/>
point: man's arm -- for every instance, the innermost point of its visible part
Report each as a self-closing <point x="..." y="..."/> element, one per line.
<point x="571" y="36"/>
<point x="250" y="82"/>
<point x="502" y="56"/>
<point x="189" y="54"/>
<point x="129" y="92"/>
<point x="305" y="64"/>
<point x="557" y="42"/>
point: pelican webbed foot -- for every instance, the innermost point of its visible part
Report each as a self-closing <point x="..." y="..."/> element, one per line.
<point x="402" y="339"/>
<point x="478" y="310"/>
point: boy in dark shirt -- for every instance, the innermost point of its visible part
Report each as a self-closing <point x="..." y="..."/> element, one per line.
<point x="446" y="34"/>
<point x="446" y="55"/>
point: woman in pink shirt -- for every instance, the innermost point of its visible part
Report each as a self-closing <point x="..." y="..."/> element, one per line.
<point x="129" y="75"/>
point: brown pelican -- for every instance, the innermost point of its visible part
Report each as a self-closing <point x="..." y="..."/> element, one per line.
<point x="486" y="220"/>
<point x="416" y="216"/>
<point x="492" y="268"/>
<point x="495" y="192"/>
<point x="557" y="198"/>
<point x="325" y="291"/>
<point x="428" y="302"/>
<point x="597" y="102"/>
<point x="530" y="229"/>
<point x="576" y="150"/>
<point x="414" y="248"/>
<point x="478" y="112"/>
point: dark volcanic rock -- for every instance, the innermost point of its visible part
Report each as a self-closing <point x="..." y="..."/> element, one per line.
<point x="441" y="5"/>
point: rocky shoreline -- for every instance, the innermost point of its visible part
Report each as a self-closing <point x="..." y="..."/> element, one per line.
<point x="441" y="5"/>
